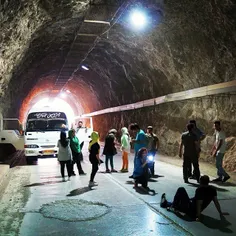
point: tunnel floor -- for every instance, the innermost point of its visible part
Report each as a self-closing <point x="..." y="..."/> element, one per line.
<point x="127" y="211"/>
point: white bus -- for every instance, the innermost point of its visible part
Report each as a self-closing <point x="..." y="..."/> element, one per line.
<point x="42" y="132"/>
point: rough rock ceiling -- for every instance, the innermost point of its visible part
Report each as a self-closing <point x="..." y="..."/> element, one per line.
<point x="186" y="45"/>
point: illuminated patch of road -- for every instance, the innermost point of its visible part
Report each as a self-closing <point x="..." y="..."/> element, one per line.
<point x="74" y="210"/>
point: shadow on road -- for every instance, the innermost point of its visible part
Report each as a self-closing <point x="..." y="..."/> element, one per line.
<point x="44" y="183"/>
<point x="141" y="190"/>
<point x="79" y="191"/>
<point x="226" y="184"/>
<point x="209" y="222"/>
<point x="157" y="176"/>
<point x="217" y="188"/>
<point x="152" y="180"/>
<point x="51" y="177"/>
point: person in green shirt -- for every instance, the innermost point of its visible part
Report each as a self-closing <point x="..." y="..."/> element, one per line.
<point x="76" y="152"/>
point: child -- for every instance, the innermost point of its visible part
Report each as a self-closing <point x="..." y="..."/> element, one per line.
<point x="64" y="155"/>
<point x="94" y="149"/>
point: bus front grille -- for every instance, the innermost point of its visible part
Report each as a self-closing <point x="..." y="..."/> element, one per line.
<point x="48" y="146"/>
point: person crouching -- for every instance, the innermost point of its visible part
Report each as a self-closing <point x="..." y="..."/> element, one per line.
<point x="141" y="169"/>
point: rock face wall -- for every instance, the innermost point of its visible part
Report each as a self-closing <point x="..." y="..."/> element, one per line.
<point x="169" y="121"/>
<point x="186" y="44"/>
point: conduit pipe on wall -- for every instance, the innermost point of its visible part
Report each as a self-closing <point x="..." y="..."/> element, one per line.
<point x="184" y="95"/>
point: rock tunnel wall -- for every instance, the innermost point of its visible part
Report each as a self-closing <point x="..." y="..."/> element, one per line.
<point x="169" y="121"/>
<point x="187" y="44"/>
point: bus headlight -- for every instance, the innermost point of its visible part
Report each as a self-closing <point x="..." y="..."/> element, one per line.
<point x="31" y="146"/>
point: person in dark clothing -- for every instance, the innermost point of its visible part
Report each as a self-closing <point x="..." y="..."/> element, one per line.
<point x="200" y="136"/>
<point x="194" y="206"/>
<point x="140" y="173"/>
<point x="94" y="149"/>
<point x="110" y="150"/>
<point x="76" y="152"/>
<point x="64" y="155"/>
<point x="190" y="143"/>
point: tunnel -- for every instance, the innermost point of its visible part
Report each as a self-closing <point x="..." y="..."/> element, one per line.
<point x="92" y="52"/>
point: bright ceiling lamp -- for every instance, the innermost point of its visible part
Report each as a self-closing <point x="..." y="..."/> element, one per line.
<point x="63" y="94"/>
<point x="138" y="19"/>
<point x="84" y="67"/>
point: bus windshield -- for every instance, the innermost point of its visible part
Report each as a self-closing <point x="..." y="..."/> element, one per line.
<point x="46" y="121"/>
<point x="47" y="125"/>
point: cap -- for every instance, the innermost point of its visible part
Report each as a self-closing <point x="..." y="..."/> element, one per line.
<point x="149" y="127"/>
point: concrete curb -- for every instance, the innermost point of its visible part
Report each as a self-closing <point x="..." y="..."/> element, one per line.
<point x="4" y="176"/>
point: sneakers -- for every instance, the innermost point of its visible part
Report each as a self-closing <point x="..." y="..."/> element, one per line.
<point x="73" y="174"/>
<point x="92" y="184"/>
<point x="186" y="181"/>
<point x="63" y="179"/>
<point x="108" y="171"/>
<point x="82" y="173"/>
<point x="225" y="178"/>
<point x="163" y="201"/>
<point x="113" y="170"/>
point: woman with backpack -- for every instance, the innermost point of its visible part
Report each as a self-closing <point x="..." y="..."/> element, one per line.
<point x="64" y="155"/>
<point x="110" y="149"/>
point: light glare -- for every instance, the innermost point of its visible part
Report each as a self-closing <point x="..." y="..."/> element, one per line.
<point x="138" y="19"/>
<point x="84" y="67"/>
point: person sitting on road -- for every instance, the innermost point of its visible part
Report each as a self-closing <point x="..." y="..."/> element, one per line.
<point x="140" y="173"/>
<point x="64" y="155"/>
<point x="76" y="152"/>
<point x="193" y="207"/>
<point x="94" y="149"/>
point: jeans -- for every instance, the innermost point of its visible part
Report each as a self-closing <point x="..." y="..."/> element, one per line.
<point x="109" y="157"/>
<point x="220" y="170"/>
<point x="143" y="180"/>
<point x="94" y="171"/>
<point x="188" y="160"/>
<point x="182" y="203"/>
<point x="68" y="165"/>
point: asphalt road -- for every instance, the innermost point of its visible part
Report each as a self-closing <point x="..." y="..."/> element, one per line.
<point x="37" y="202"/>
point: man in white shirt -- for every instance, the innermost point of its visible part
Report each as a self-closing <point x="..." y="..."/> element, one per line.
<point x="218" y="152"/>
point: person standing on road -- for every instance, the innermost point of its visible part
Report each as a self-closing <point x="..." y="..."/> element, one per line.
<point x="200" y="136"/>
<point x="64" y="155"/>
<point x="153" y="141"/>
<point x="80" y="133"/>
<point x="218" y="151"/>
<point x="125" y="148"/>
<point x="190" y="143"/>
<point x="94" y="149"/>
<point x="193" y="207"/>
<point x="110" y="149"/>
<point x="139" y="142"/>
<point x="76" y="152"/>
